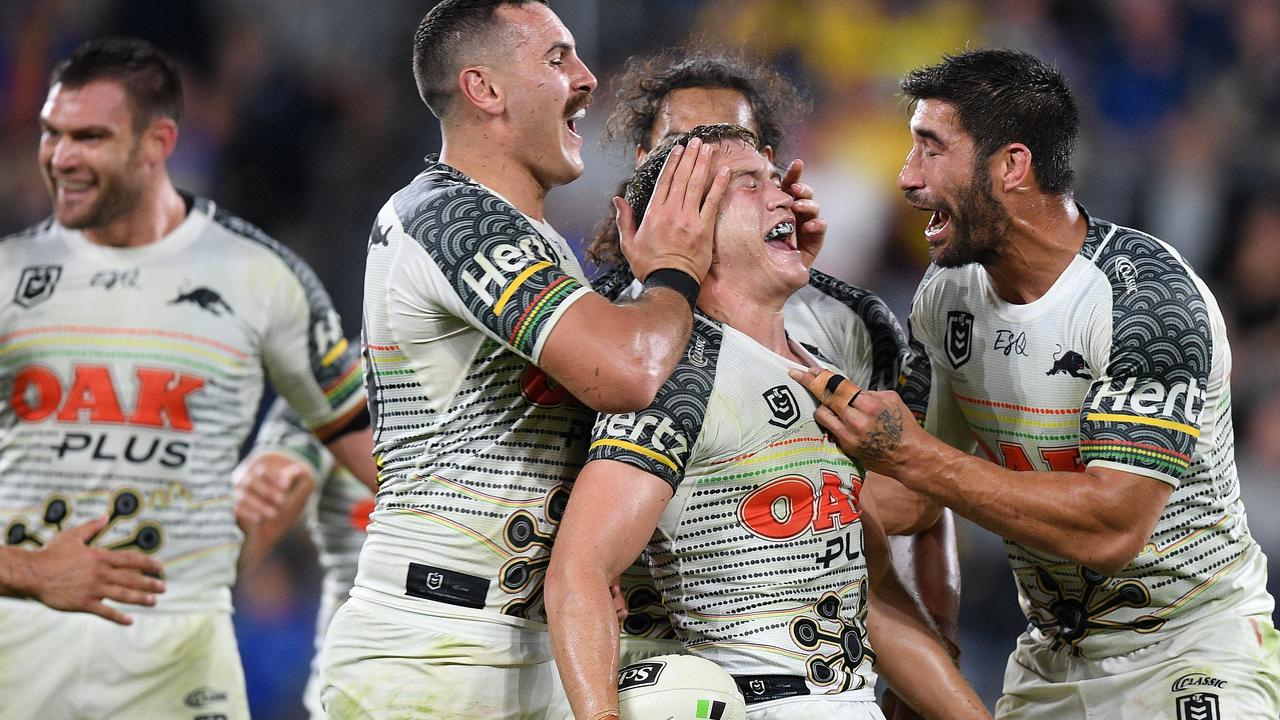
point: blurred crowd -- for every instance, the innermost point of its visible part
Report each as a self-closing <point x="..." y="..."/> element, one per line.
<point x="302" y="117"/>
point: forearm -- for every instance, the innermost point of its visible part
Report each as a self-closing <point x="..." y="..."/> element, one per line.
<point x="584" y="637"/>
<point x="937" y="576"/>
<point x="913" y="660"/>
<point x="1069" y="514"/>
<point x="354" y="451"/>
<point x="15" y="572"/>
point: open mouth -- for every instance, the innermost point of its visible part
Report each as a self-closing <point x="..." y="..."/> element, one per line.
<point x="782" y="236"/>
<point x="573" y="119"/>
<point x="938" y="225"/>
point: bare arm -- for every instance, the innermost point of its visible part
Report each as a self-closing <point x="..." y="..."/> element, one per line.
<point x="615" y="357"/>
<point x="909" y="654"/>
<point x="68" y="574"/>
<point x="271" y="490"/>
<point x="899" y="510"/>
<point x="1100" y="518"/>
<point x="354" y="451"/>
<point x="612" y="513"/>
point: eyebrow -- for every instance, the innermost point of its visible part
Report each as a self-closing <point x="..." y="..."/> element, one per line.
<point x="559" y="45"/>
<point x="930" y="135"/>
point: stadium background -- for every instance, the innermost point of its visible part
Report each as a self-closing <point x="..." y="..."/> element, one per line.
<point x="302" y="117"/>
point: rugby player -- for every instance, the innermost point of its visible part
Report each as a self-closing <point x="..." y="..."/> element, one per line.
<point x="133" y="351"/>
<point x="485" y="349"/>
<point x="670" y="93"/>
<point x="1090" y="365"/>
<point x="762" y="549"/>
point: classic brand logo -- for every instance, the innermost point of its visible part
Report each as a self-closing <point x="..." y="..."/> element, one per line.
<point x="1191" y="680"/>
<point x="959" y="337"/>
<point x="782" y="403"/>
<point x="203" y="696"/>
<point x="36" y="284"/>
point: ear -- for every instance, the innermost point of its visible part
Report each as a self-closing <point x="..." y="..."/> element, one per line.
<point x="480" y="89"/>
<point x="641" y="154"/>
<point x="1012" y="168"/>
<point x="767" y="152"/>
<point x="160" y="139"/>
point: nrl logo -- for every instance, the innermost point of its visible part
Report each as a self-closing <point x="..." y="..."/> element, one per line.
<point x="959" y="337"/>
<point x="36" y="284"/>
<point x="782" y="403"/>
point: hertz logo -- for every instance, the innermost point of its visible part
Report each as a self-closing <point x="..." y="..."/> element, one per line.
<point x="1122" y="401"/>
<point x="497" y="261"/>
<point x="661" y="439"/>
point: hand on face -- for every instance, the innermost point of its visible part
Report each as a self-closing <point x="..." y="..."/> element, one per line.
<point x="680" y="220"/>
<point x="811" y="228"/>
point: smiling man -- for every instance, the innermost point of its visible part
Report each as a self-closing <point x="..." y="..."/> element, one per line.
<point x="762" y="549"/>
<point x="1090" y="366"/>
<point x="485" y="353"/>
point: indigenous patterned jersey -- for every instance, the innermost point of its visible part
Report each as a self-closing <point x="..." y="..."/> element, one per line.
<point x="337" y="512"/>
<point x="1122" y="364"/>
<point x="475" y="445"/>
<point x="848" y="326"/>
<point x="130" y="377"/>
<point x="758" y="556"/>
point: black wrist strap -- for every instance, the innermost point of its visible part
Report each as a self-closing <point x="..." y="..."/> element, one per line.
<point x="678" y="280"/>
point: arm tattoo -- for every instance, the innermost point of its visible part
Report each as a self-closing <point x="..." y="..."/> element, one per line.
<point x="884" y="438"/>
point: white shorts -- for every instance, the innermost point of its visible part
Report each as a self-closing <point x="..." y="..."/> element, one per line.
<point x="75" y="666"/>
<point x="1225" y="667"/>
<point x="382" y="662"/>
<point x="860" y="705"/>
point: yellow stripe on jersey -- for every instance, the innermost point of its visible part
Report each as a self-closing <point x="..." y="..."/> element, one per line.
<point x="1139" y="420"/>
<point x="634" y="448"/>
<point x="333" y="354"/>
<point x="515" y="285"/>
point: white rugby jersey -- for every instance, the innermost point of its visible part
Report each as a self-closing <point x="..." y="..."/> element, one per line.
<point x="337" y="512"/>
<point x="848" y="326"/>
<point x="476" y="446"/>
<point x="1123" y="364"/>
<point x="758" y="556"/>
<point x="130" y="377"/>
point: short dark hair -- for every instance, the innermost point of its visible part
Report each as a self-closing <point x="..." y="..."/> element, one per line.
<point x="149" y="76"/>
<point x="1005" y="96"/>
<point x="449" y="28"/>
<point x="647" y="81"/>
<point x="640" y="188"/>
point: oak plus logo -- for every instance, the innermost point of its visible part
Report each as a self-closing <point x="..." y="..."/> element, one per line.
<point x="789" y="506"/>
<point x="494" y="272"/>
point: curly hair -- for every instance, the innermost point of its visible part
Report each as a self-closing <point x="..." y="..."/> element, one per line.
<point x="647" y="81"/>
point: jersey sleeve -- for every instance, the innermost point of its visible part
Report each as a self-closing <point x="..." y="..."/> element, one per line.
<point x="308" y="361"/>
<point x="282" y="431"/>
<point x="660" y="439"/>
<point x="499" y="275"/>
<point x="1143" y="415"/>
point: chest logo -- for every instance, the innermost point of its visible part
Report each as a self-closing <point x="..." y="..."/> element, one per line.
<point x="1070" y="362"/>
<point x="1011" y="343"/>
<point x="207" y="300"/>
<point x="959" y="337"/>
<point x="782" y="403"/>
<point x="36" y="284"/>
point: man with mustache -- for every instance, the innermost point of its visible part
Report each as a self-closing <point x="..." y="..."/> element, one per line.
<point x="485" y="353"/>
<point x="1090" y="366"/>
<point x="764" y="550"/>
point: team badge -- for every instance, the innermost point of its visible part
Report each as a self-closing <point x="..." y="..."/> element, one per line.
<point x="36" y="284"/>
<point x="959" y="337"/>
<point x="1199" y="706"/>
<point x="783" y="406"/>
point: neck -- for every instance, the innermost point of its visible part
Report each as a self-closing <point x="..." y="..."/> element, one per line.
<point x="486" y="155"/>
<point x="157" y="213"/>
<point x="1045" y="235"/>
<point x="761" y="322"/>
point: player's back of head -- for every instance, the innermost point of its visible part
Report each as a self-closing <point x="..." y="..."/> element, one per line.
<point x="451" y="35"/>
<point x="149" y="76"/>
<point x="1007" y="96"/>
